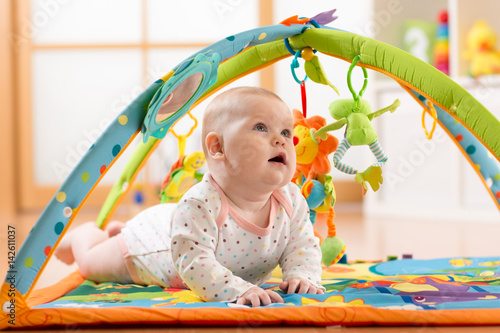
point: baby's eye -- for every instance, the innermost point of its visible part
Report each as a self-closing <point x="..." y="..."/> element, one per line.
<point x="260" y="128"/>
<point x="286" y="133"/>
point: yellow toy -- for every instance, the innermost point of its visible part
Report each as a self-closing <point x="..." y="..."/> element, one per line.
<point x="312" y="156"/>
<point x="481" y="51"/>
<point x="184" y="172"/>
<point x="316" y="184"/>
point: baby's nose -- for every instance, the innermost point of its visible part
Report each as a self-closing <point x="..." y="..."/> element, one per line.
<point x="280" y="141"/>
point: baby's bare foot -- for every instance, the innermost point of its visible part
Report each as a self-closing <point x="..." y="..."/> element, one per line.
<point x="114" y="228"/>
<point x="63" y="251"/>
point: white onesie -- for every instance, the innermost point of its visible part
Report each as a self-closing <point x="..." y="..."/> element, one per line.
<point x="203" y="244"/>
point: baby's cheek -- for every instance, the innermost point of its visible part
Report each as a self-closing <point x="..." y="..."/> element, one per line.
<point x="291" y="166"/>
<point x="291" y="156"/>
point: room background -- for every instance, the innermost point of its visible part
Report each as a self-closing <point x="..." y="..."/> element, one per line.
<point x="70" y="66"/>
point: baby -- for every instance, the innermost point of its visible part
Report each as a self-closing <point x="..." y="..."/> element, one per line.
<point x="228" y="232"/>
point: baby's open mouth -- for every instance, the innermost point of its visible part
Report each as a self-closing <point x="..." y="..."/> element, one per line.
<point x="280" y="158"/>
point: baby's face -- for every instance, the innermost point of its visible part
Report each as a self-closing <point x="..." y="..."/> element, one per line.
<point x="258" y="143"/>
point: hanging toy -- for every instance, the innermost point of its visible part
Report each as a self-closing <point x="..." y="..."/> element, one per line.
<point x="313" y="167"/>
<point x="313" y="68"/>
<point x="357" y="116"/>
<point x="312" y="175"/>
<point x="184" y="172"/>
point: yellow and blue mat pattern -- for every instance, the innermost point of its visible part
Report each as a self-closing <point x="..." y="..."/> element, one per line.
<point x="450" y="291"/>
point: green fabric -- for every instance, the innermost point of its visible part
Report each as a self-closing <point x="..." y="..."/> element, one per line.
<point x="316" y="73"/>
<point x="359" y="130"/>
<point x="331" y="248"/>
<point x="124" y="182"/>
<point x="247" y="62"/>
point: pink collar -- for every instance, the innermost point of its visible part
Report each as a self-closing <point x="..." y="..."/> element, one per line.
<point x="277" y="198"/>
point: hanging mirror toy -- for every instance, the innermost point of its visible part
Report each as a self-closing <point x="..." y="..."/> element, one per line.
<point x="176" y="96"/>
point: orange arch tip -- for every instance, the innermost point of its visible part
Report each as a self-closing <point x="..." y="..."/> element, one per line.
<point x="294" y="20"/>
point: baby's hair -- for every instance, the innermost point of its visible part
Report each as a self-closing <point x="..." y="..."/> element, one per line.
<point x="221" y="109"/>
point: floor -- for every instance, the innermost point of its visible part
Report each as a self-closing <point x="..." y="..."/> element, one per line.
<point x="288" y="329"/>
<point x="367" y="238"/>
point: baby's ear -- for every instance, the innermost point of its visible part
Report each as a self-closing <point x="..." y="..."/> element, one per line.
<point x="213" y="142"/>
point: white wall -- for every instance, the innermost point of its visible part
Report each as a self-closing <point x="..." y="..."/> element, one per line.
<point x="77" y="92"/>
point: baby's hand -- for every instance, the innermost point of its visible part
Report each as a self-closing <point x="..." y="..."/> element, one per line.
<point x="255" y="296"/>
<point x="299" y="286"/>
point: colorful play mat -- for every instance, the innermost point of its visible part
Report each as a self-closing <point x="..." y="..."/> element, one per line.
<point x="453" y="291"/>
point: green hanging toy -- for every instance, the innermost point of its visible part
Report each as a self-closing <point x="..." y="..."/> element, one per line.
<point x="356" y="114"/>
<point x="313" y="68"/>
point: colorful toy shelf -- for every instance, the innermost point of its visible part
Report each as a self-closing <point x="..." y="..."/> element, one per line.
<point x="393" y="19"/>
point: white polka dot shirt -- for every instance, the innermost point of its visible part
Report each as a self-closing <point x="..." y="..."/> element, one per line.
<point x="220" y="255"/>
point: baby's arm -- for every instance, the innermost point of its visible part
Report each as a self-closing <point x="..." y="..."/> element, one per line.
<point x="194" y="242"/>
<point x="301" y="260"/>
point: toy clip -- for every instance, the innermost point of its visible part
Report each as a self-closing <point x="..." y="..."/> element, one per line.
<point x="295" y="64"/>
<point x="432" y="112"/>
<point x="182" y="137"/>
<point x="355" y="96"/>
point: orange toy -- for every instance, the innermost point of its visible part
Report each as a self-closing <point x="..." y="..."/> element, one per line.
<point x="312" y="158"/>
<point x="312" y="174"/>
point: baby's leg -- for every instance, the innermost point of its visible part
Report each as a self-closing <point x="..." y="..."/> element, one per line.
<point x="64" y="251"/>
<point x="99" y="257"/>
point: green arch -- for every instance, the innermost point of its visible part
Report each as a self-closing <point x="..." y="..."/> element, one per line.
<point x="420" y="77"/>
<point x="386" y="59"/>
